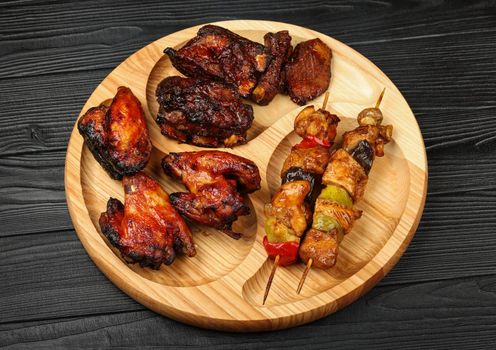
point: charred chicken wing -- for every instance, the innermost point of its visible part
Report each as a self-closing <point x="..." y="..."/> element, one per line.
<point x="216" y="181"/>
<point x="279" y="46"/>
<point x="218" y="53"/>
<point x="117" y="135"/>
<point x="146" y="229"/>
<point x="201" y="112"/>
<point x="308" y="71"/>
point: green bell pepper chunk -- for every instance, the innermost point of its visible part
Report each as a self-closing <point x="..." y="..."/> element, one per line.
<point x="326" y="223"/>
<point x="338" y="195"/>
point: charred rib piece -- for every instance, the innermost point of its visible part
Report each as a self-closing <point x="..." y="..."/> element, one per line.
<point x="308" y="71"/>
<point x="216" y="181"/>
<point x="117" y="135"/>
<point x="218" y="53"/>
<point x="146" y="229"/>
<point x="201" y="112"/>
<point x="279" y="46"/>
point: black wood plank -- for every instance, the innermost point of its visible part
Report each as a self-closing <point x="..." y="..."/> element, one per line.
<point x="437" y="315"/>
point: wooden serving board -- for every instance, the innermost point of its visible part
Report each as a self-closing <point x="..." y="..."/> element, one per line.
<point x="222" y="286"/>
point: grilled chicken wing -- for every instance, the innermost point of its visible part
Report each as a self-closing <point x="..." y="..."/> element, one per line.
<point x="201" y="112"/>
<point x="215" y="180"/>
<point x="308" y="71"/>
<point x="218" y="53"/>
<point x="279" y="46"/>
<point x="117" y="135"/>
<point x="146" y="229"/>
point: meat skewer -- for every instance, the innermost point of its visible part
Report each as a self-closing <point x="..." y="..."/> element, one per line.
<point x="290" y="210"/>
<point x="345" y="178"/>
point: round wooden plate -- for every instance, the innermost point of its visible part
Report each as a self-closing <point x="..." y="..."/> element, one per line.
<point x="222" y="287"/>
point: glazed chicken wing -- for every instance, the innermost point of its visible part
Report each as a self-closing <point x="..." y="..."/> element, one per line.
<point x="279" y="46"/>
<point x="117" y="135"/>
<point x="308" y="71"/>
<point x="146" y="229"/>
<point x="218" y="53"/>
<point x="201" y="112"/>
<point x="216" y="181"/>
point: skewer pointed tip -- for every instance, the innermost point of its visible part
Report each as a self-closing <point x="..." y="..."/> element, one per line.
<point x="271" y="277"/>
<point x="304" y="276"/>
<point x="379" y="100"/>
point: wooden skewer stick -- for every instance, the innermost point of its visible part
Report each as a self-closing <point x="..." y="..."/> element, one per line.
<point x="276" y="261"/>
<point x="326" y="98"/>
<point x="379" y="100"/>
<point x="310" y="261"/>
<point x="271" y="277"/>
<point x="304" y="276"/>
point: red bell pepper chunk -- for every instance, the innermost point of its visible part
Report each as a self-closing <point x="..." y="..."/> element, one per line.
<point x="287" y="251"/>
<point x="312" y="141"/>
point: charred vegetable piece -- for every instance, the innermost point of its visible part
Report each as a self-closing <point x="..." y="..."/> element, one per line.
<point x="363" y="153"/>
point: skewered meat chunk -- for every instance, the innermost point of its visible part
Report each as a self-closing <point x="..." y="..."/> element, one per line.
<point x="290" y="209"/>
<point x="376" y="136"/>
<point x="345" y="216"/>
<point x="321" y="247"/>
<point x="146" y="229"/>
<point x="216" y="181"/>
<point x="279" y="46"/>
<point x="201" y="112"/>
<point x="343" y="170"/>
<point x="218" y="53"/>
<point x="319" y="124"/>
<point x="308" y="71"/>
<point x="312" y="160"/>
<point x="117" y="135"/>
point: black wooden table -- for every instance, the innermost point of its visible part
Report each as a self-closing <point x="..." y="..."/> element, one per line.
<point x="441" y="55"/>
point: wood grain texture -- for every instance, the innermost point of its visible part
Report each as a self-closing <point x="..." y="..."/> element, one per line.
<point x="440" y="55"/>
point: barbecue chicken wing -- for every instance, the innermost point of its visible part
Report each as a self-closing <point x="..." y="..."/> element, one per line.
<point x="146" y="229"/>
<point x="218" y="53"/>
<point x="308" y="71"/>
<point x="269" y="84"/>
<point x="201" y="112"/>
<point x="216" y="181"/>
<point x="117" y="135"/>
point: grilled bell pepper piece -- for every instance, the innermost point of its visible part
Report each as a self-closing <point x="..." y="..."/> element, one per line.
<point x="326" y="223"/>
<point x="363" y="153"/>
<point x="338" y="195"/>
<point x="287" y="251"/>
<point x="312" y="141"/>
